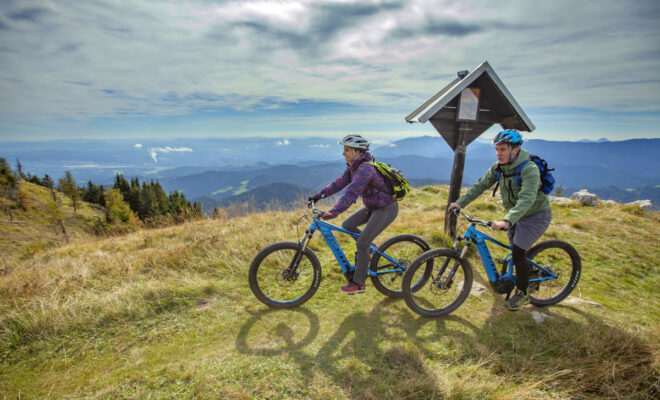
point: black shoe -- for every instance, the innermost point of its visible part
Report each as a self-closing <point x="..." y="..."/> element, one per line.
<point x="517" y="301"/>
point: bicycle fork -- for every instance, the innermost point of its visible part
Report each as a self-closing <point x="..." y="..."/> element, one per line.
<point x="446" y="283"/>
<point x="290" y="273"/>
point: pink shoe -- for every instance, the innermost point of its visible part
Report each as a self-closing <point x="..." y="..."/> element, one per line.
<point x="353" y="288"/>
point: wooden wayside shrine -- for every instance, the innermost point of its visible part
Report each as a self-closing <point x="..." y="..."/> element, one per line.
<point x="462" y="111"/>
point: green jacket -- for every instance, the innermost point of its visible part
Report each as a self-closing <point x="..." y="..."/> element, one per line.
<point x="519" y="201"/>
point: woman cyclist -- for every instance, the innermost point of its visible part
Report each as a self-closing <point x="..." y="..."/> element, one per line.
<point x="361" y="179"/>
<point x="528" y="209"/>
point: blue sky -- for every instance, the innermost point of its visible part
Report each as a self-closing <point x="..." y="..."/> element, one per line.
<point x="157" y="68"/>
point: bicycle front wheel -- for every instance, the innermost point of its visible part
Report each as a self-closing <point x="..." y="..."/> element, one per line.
<point x="402" y="248"/>
<point x="558" y="261"/>
<point x="447" y="287"/>
<point x="278" y="281"/>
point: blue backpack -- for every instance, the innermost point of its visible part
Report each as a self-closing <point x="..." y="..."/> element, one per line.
<point x="547" y="180"/>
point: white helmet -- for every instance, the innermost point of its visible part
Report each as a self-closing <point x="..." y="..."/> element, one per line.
<point x="355" y="142"/>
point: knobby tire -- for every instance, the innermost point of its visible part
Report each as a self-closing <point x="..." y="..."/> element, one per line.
<point x="267" y="269"/>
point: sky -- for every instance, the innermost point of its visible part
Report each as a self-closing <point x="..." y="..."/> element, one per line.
<point x="202" y="68"/>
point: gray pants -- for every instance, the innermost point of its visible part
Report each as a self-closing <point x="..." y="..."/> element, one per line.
<point x="529" y="229"/>
<point x="377" y="220"/>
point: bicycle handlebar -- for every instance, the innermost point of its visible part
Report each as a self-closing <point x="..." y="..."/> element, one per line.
<point x="474" y="220"/>
<point x="317" y="213"/>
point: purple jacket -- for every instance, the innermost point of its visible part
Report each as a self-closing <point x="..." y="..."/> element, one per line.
<point x="359" y="179"/>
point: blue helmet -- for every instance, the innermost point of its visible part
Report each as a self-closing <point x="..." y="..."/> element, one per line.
<point x="510" y="136"/>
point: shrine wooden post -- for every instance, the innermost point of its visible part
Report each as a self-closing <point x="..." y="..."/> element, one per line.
<point x="462" y="111"/>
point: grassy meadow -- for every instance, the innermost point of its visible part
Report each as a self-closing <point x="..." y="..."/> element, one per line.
<point x="168" y="313"/>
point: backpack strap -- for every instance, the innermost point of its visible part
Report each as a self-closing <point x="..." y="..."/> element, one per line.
<point x="517" y="172"/>
<point x="498" y="173"/>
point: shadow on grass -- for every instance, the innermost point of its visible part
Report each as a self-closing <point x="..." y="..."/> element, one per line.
<point x="385" y="352"/>
<point x="271" y="332"/>
<point x="368" y="356"/>
<point x="568" y="350"/>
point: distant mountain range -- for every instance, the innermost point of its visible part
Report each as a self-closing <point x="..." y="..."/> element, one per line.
<point x="220" y="171"/>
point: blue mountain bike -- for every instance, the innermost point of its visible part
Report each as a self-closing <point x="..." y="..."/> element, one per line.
<point x="555" y="271"/>
<point x="287" y="274"/>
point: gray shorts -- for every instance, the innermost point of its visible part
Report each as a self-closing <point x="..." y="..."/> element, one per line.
<point x="529" y="229"/>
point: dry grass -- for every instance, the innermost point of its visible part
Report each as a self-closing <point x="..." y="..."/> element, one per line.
<point x="167" y="313"/>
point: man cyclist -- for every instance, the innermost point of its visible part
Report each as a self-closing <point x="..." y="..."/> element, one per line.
<point x="361" y="179"/>
<point x="528" y="209"/>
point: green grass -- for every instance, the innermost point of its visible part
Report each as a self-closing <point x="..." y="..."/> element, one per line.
<point x="168" y="313"/>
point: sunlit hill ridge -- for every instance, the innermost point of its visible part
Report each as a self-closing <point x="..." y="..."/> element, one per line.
<point x="135" y="312"/>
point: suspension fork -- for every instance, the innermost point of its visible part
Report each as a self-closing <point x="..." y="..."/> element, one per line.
<point x="290" y="274"/>
<point x="445" y="264"/>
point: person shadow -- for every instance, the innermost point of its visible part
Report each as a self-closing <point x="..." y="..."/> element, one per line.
<point x="386" y="352"/>
<point x="372" y="354"/>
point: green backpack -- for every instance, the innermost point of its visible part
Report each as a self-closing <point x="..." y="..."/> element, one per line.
<point x="394" y="178"/>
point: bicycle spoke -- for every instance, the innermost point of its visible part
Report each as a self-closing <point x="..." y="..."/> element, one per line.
<point x="404" y="249"/>
<point x="277" y="281"/>
<point x="555" y="270"/>
<point x="443" y="291"/>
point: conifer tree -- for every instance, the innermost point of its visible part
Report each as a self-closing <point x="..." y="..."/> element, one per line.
<point x="8" y="196"/>
<point x="133" y="195"/>
<point x="19" y="168"/>
<point x="163" y="203"/>
<point x="48" y="182"/>
<point x="7" y="177"/>
<point x="69" y="188"/>
<point x="34" y="179"/>
<point x="93" y="194"/>
<point x="122" y="185"/>
<point x="117" y="210"/>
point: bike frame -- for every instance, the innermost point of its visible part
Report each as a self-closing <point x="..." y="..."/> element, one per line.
<point x="326" y="230"/>
<point x="479" y="239"/>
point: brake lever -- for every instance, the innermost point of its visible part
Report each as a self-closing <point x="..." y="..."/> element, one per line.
<point x="490" y="225"/>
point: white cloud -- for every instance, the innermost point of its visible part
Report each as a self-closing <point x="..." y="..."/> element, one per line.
<point x="153" y="151"/>
<point x="138" y="146"/>
<point x="283" y="142"/>
<point x="169" y="149"/>
<point x="320" y="146"/>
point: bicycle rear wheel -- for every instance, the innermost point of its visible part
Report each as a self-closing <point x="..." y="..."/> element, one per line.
<point x="404" y="249"/>
<point x="448" y="286"/>
<point x="557" y="258"/>
<point x="277" y="283"/>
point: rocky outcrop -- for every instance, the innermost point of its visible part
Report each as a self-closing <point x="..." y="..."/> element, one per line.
<point x="645" y="205"/>
<point x="584" y="197"/>
<point x="559" y="200"/>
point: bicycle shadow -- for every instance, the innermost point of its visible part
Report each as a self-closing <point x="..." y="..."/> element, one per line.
<point x="273" y="335"/>
<point x="384" y="352"/>
<point x="371" y="354"/>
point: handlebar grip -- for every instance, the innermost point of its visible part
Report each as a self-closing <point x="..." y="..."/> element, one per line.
<point x="490" y="225"/>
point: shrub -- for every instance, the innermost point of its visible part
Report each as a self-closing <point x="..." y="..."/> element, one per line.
<point x="633" y="209"/>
